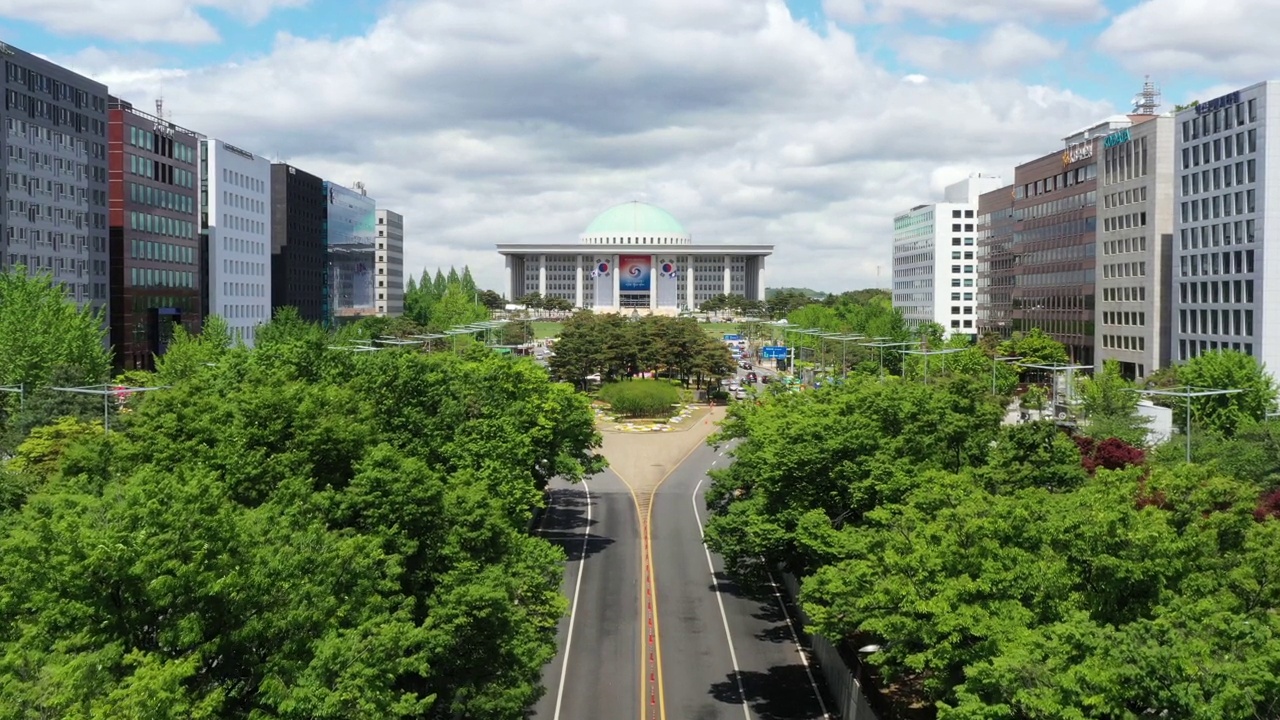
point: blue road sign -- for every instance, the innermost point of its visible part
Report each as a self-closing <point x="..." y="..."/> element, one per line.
<point x="773" y="352"/>
<point x="732" y="338"/>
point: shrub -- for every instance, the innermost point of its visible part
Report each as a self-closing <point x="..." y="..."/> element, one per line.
<point x="641" y="398"/>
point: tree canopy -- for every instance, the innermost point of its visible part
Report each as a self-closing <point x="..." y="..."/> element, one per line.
<point x="615" y="347"/>
<point x="1006" y="572"/>
<point x="445" y="301"/>
<point x="291" y="532"/>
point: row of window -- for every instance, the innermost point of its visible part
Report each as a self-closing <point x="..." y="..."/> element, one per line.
<point x="161" y="198"/>
<point x="967" y="269"/>
<point x="140" y="138"/>
<point x="151" y="277"/>
<point x="955" y="255"/>
<point x="161" y="251"/>
<point x="1125" y="197"/>
<point x="1124" y="342"/>
<point x="1064" y="277"/>
<point x="148" y="168"/>
<point x="1223" y="119"/>
<point x="161" y="225"/>
<point x="1117" y="317"/>
<point x="955" y="324"/>
<point x="1219" y="206"/>
<point x="956" y="213"/>
<point x="1220" y="149"/>
<point x="1217" y="234"/>
<point x="1224" y="291"/>
<point x="1200" y="347"/>
<point x="1127" y="245"/>
<point x="1214" y="263"/>
<point x="34" y="107"/>
<point x="1056" y="182"/>
<point x="1057" y="255"/>
<point x="1238" y="323"/>
<point x="955" y="241"/>
<point x="1125" y="222"/>
<point x="1125" y="269"/>
<point x="1128" y="293"/>
<point x="957" y="309"/>
<point x="1124" y="162"/>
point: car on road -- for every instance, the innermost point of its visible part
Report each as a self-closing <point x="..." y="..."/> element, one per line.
<point x="751" y="377"/>
<point x="740" y="394"/>
<point x="745" y="365"/>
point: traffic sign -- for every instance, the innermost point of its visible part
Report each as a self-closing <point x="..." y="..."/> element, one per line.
<point x="732" y="338"/>
<point x="773" y="352"/>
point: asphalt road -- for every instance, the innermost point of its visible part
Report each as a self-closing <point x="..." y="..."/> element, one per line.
<point x="727" y="651"/>
<point x="602" y="676"/>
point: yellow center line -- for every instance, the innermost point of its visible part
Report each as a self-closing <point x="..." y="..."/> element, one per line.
<point x="652" y="697"/>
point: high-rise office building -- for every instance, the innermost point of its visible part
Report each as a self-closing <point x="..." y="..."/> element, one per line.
<point x="1134" y="246"/>
<point x="1054" y="242"/>
<point x="235" y="199"/>
<point x="55" y="170"/>
<point x="1227" y="284"/>
<point x="935" y="258"/>
<point x="155" y="233"/>
<point x="350" y="239"/>
<point x="390" y="263"/>
<point x="996" y="278"/>
<point x="298" y="207"/>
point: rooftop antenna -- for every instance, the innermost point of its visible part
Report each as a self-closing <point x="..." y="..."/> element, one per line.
<point x="1146" y="102"/>
<point x="160" y="107"/>
<point x="359" y="185"/>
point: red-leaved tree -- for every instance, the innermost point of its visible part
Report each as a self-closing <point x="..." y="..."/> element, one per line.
<point x="1112" y="454"/>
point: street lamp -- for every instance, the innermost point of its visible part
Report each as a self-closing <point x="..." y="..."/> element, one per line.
<point x="927" y="353"/>
<point x="1187" y="393"/>
<point x="882" y="346"/>
<point x="107" y="392"/>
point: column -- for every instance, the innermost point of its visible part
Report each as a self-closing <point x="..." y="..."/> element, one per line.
<point x="617" y="283"/>
<point x="510" y="277"/>
<point x="577" y="295"/>
<point x="653" y="283"/>
<point x="688" y="293"/>
<point x="761" y="295"/>
<point x="542" y="275"/>
<point x="727" y="278"/>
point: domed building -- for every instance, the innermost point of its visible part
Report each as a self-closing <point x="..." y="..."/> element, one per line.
<point x="635" y="257"/>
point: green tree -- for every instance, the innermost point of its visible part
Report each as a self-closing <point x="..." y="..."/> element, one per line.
<point x="1035" y="348"/>
<point x="1110" y="406"/>
<point x="268" y="544"/>
<point x="42" y="332"/>
<point x="1229" y="370"/>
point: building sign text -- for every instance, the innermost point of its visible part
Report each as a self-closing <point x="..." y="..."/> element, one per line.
<point x="1116" y="138"/>
<point x="1218" y="103"/>
<point x="1076" y="153"/>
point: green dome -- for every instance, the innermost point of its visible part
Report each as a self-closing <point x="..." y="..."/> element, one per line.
<point x="634" y="218"/>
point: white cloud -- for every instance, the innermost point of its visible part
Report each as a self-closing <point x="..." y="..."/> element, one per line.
<point x="1005" y="47"/>
<point x="845" y="11"/>
<point x="487" y="121"/>
<point x="179" y="21"/>
<point x="989" y="11"/>
<point x="1233" y="38"/>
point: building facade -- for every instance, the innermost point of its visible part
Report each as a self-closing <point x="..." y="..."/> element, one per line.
<point x="635" y="257"/>
<point x="1134" y="245"/>
<point x="298" y="212"/>
<point x="235" y="200"/>
<point x="154" y="233"/>
<point x="350" y="255"/>
<point x="935" y="258"/>
<point x="390" y="263"/>
<point x="54" y="159"/>
<point x="1054" y="242"/>
<point x="996" y="278"/>
<point x="1227" y="293"/>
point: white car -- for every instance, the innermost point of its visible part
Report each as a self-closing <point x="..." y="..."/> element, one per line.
<point x="741" y="394"/>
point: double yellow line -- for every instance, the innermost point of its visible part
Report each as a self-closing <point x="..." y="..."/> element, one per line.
<point x="653" y="704"/>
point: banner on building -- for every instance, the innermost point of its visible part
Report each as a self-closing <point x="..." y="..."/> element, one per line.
<point x="668" y="283"/>
<point x="636" y="273"/>
<point x="602" y="276"/>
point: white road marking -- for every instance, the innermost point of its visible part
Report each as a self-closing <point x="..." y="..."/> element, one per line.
<point x="795" y="638"/>
<point x="724" y="617"/>
<point x="573" y="607"/>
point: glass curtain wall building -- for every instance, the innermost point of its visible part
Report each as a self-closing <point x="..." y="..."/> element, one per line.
<point x="351" y="262"/>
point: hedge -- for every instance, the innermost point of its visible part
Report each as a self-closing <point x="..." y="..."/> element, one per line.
<point x="641" y="398"/>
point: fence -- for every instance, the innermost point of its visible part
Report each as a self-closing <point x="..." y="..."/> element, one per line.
<point x="841" y="679"/>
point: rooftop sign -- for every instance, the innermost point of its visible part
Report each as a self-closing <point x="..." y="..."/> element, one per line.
<point x="1076" y="153"/>
<point x="242" y="153"/>
<point x="1218" y="103"/>
<point x="1116" y="138"/>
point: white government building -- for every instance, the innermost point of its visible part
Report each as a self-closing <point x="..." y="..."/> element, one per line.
<point x="634" y="257"/>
